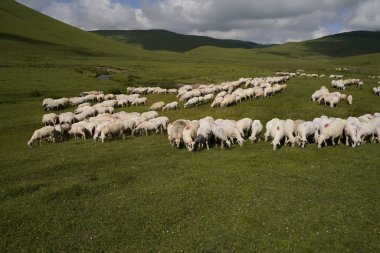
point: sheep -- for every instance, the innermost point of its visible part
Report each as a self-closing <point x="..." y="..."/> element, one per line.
<point x="75" y="101"/>
<point x="40" y="134"/>
<point x="45" y="102"/>
<point x="256" y="129"/>
<point x="57" y="104"/>
<point x="275" y="129"/>
<point x="367" y="130"/>
<point x="99" y="128"/>
<point x="145" y="127"/>
<point x="349" y="99"/>
<point x="219" y="131"/>
<point x="78" y="129"/>
<point x="304" y="131"/>
<point x="332" y="130"/>
<point x="66" y="117"/>
<point x="171" y="106"/>
<point x="175" y="130"/>
<point x="217" y="102"/>
<point x="161" y="123"/>
<point x="244" y="126"/>
<point x="191" y="102"/>
<point x="204" y="133"/>
<point x="149" y="115"/>
<point x="139" y="101"/>
<point x="289" y="132"/>
<point x="85" y="114"/>
<point x="233" y="132"/>
<point x="50" y="119"/>
<point x="350" y="130"/>
<point x="189" y="134"/>
<point x="109" y="97"/>
<point x="111" y="129"/>
<point x="157" y="106"/>
<point x="103" y="109"/>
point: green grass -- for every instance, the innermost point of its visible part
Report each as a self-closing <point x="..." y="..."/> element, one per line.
<point x="142" y="195"/>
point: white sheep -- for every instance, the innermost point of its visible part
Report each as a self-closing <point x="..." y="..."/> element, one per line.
<point x="110" y="130"/>
<point x="244" y="126"/>
<point x="189" y="134"/>
<point x="304" y="131"/>
<point x="349" y="99"/>
<point x="171" y="106"/>
<point x="333" y="130"/>
<point x="139" y="101"/>
<point x="157" y="106"/>
<point x="40" y="134"/>
<point x="175" y="131"/>
<point x="50" y="119"/>
<point x="256" y="129"/>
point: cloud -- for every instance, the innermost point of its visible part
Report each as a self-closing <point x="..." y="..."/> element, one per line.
<point x="269" y="21"/>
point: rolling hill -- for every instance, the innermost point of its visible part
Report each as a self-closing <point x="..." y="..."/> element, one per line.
<point x="171" y="41"/>
<point x="24" y="30"/>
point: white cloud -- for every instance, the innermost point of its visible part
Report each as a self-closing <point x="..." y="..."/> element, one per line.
<point x="269" y="21"/>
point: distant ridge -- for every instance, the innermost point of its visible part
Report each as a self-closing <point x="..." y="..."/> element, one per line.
<point x="170" y="41"/>
<point x="346" y="44"/>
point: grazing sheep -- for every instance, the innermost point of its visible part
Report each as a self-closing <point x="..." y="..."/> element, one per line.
<point x="66" y="117"/>
<point x="50" y="119"/>
<point x="244" y="126"/>
<point x="189" y="134"/>
<point x="171" y="106"/>
<point x="276" y="129"/>
<point x="289" y="132"/>
<point x="40" y="134"/>
<point x="139" y="101"/>
<point x="157" y="106"/>
<point x="333" y="130"/>
<point x="110" y="130"/>
<point x="256" y="129"/>
<point x="149" y="115"/>
<point x="304" y="131"/>
<point x="175" y="131"/>
<point x="204" y="133"/>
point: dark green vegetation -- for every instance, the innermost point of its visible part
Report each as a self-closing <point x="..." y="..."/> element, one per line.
<point x="142" y="195"/>
<point x="170" y="41"/>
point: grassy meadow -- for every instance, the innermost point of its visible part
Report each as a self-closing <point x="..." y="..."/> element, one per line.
<point x="143" y="195"/>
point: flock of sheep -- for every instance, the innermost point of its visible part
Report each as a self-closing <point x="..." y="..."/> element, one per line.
<point x="322" y="95"/>
<point x="206" y="132"/>
<point x="95" y="116"/>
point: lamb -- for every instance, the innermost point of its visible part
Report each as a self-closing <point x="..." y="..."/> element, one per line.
<point x="171" y="106"/>
<point x="40" y="134"/>
<point x="157" y="106"/>
<point x="244" y="126"/>
<point x="256" y="129"/>
<point x="332" y="130"/>
<point x="189" y="134"/>
<point x="50" y="119"/>
<point x="304" y="131"/>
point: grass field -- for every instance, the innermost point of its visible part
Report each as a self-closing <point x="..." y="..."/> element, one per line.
<point x="141" y="194"/>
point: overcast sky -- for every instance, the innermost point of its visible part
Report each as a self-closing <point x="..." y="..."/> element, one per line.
<point x="262" y="21"/>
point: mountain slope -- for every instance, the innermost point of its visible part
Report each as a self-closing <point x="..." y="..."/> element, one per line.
<point x="338" y="45"/>
<point x="22" y="28"/>
<point x="170" y="41"/>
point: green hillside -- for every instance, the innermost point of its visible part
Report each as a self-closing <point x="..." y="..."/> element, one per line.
<point x="337" y="45"/>
<point x="24" y="30"/>
<point x="170" y="41"/>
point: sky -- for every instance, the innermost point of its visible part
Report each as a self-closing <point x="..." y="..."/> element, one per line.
<point x="261" y="21"/>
